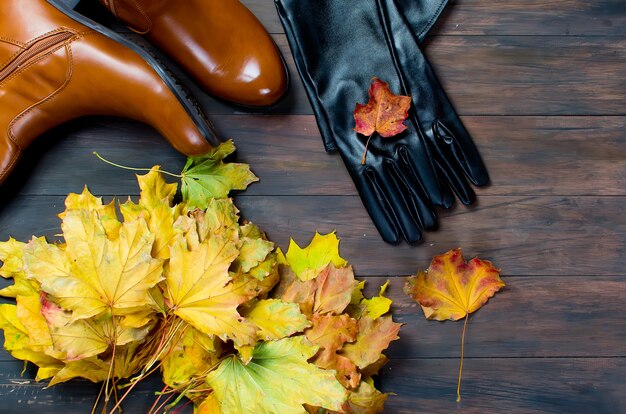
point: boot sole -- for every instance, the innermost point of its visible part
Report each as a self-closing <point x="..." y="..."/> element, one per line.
<point x="184" y="97"/>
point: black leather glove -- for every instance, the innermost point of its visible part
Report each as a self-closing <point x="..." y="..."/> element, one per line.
<point x="338" y="47"/>
<point x="421" y="14"/>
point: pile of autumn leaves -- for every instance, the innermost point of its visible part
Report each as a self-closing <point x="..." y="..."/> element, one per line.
<point x="232" y="323"/>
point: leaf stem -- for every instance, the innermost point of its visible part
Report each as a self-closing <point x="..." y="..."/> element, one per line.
<point x="133" y="169"/>
<point x="458" y="388"/>
<point x="95" y="404"/>
<point x="156" y="401"/>
<point x="364" y="158"/>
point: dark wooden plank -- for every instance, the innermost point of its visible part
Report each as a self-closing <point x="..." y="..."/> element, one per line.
<point x="533" y="17"/>
<point x="523" y="235"/>
<point x="531" y="317"/>
<point x="490" y="385"/>
<point x="524" y="386"/>
<point x="525" y="156"/>
<point x="494" y="74"/>
<point x="505" y="72"/>
<point x="517" y="17"/>
<point x="561" y="316"/>
<point x="515" y="75"/>
<point x="504" y="75"/>
<point x="493" y="385"/>
<point x="477" y="17"/>
<point x="489" y="75"/>
<point x="20" y="393"/>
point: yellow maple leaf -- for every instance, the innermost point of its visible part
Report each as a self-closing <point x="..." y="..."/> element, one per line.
<point x="85" y="338"/>
<point x="87" y="201"/>
<point x="29" y="313"/>
<point x="366" y="400"/>
<point x="17" y="342"/>
<point x="94" y="274"/>
<point x="377" y="306"/>
<point x="277" y="319"/>
<point x="220" y="217"/>
<point x="210" y="405"/>
<point x="308" y="262"/>
<point x="155" y="206"/>
<point x="11" y="255"/>
<point x="201" y="291"/>
<point x="192" y="355"/>
<point x="452" y="289"/>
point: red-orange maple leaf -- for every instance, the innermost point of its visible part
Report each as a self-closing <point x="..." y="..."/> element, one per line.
<point x="385" y="113"/>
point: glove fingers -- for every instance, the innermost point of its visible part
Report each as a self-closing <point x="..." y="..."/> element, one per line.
<point x="407" y="208"/>
<point x="377" y="205"/>
<point x="450" y="159"/>
<point x="393" y="204"/>
<point x="457" y="149"/>
<point x="428" y="181"/>
<point x="416" y="199"/>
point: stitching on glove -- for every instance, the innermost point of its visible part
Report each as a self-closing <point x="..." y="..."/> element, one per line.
<point x="434" y="18"/>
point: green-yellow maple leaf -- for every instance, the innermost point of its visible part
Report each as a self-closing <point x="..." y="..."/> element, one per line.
<point x="308" y="262"/>
<point x="201" y="291"/>
<point x="94" y="274"/>
<point x="208" y="176"/>
<point x="278" y="379"/>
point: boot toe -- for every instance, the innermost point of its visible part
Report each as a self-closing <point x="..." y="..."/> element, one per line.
<point x="260" y="82"/>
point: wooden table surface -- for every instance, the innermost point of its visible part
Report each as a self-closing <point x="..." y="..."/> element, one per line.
<point x="541" y="86"/>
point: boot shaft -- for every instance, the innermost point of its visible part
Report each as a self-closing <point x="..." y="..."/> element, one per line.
<point x="54" y="69"/>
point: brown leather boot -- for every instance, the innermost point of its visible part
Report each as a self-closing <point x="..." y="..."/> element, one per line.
<point x="219" y="42"/>
<point x="54" y="69"/>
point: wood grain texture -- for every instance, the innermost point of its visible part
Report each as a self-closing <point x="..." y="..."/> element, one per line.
<point x="475" y="17"/>
<point x="524" y="235"/>
<point x="523" y="320"/>
<point x="517" y="17"/>
<point x="526" y="156"/>
<point x="493" y="385"/>
<point x="490" y="385"/>
<point x="500" y="75"/>
<point x="540" y="86"/>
